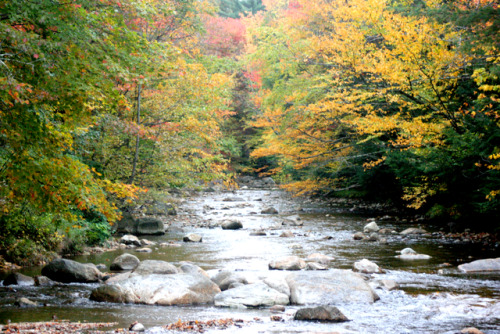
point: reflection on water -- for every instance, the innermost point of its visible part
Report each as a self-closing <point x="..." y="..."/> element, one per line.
<point x="428" y="301"/>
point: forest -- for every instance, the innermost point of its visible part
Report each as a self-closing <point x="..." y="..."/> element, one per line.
<point x="105" y="104"/>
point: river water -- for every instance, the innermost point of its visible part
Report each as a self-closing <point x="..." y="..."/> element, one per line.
<point x="431" y="298"/>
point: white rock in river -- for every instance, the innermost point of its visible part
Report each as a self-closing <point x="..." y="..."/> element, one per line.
<point x="366" y="266"/>
<point x="251" y="295"/>
<point x="409" y="254"/>
<point x="371" y="227"/>
<point x="485" y="265"/>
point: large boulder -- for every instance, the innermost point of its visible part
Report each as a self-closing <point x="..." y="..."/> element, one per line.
<point x="125" y="262"/>
<point x="175" y="289"/>
<point x="18" y="279"/>
<point x="321" y="313"/>
<point x="327" y="287"/>
<point x="127" y="224"/>
<point x="485" y="265"/>
<point x="320" y="258"/>
<point x="288" y="263"/>
<point x="129" y="239"/>
<point x="147" y="267"/>
<point x="150" y="226"/>
<point x="251" y="295"/>
<point x="69" y="271"/>
<point x="191" y="268"/>
<point x="225" y="278"/>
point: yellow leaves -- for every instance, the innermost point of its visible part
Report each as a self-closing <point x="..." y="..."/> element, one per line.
<point x="417" y="196"/>
<point x="371" y="164"/>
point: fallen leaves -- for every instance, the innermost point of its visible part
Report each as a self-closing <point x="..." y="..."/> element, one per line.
<point x="201" y="326"/>
<point x="54" y="327"/>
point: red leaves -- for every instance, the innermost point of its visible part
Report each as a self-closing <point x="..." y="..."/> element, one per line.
<point x="225" y="36"/>
<point x="201" y="326"/>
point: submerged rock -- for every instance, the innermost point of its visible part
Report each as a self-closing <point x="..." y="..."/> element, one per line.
<point x="251" y="295"/>
<point x="69" y="271"/>
<point x="485" y="265"/>
<point x="331" y="286"/>
<point x="321" y="313"/>
<point x="175" y="289"/>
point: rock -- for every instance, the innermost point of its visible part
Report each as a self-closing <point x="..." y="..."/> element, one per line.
<point x="258" y="233"/>
<point x="192" y="269"/>
<point x="359" y="236"/>
<point x="288" y="263"/>
<point x="287" y="234"/>
<point x="387" y="284"/>
<point x="150" y="226"/>
<point x="148" y="267"/>
<point x="278" y="284"/>
<point x="69" y="271"/>
<point x="294" y="220"/>
<point x="175" y="289"/>
<point x="25" y="302"/>
<point x="125" y="262"/>
<point x="320" y="258"/>
<point x="224" y="279"/>
<point x="129" y="239"/>
<point x="146" y="242"/>
<point x="371" y="227"/>
<point x="316" y="266"/>
<point x="192" y="237"/>
<point x="251" y="295"/>
<point x="413" y="230"/>
<point x="373" y="237"/>
<point x="485" y="265"/>
<point x="331" y="286"/>
<point x="277" y="309"/>
<point x="269" y="211"/>
<point x="43" y="281"/>
<point x="127" y="224"/>
<point x="101" y="266"/>
<point x="407" y="251"/>
<point x="231" y="224"/>
<point x="366" y="266"/>
<point x="409" y="254"/>
<point x="321" y="313"/>
<point x="18" y="279"/>
<point x="161" y="208"/>
<point x="137" y="327"/>
<point x="144" y="250"/>
<point x="233" y="199"/>
<point x="471" y="330"/>
<point x="386" y="231"/>
<point x="118" y="278"/>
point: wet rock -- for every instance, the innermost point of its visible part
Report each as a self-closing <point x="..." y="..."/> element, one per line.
<point x="321" y="313"/>
<point x="145" y="242"/>
<point x="193" y="237"/>
<point x="129" y="239"/>
<point x="118" y="277"/>
<point x="25" y="302"/>
<point x="320" y="258"/>
<point x="288" y="263"/>
<point x="125" y="262"/>
<point x="175" y="289"/>
<point x="232" y="224"/>
<point x="413" y="230"/>
<point x="371" y="227"/>
<point x="251" y="295"/>
<point x="386" y="231"/>
<point x="127" y="224"/>
<point x="159" y="267"/>
<point x="144" y="250"/>
<point x="366" y="266"/>
<point x="485" y="265"/>
<point x="101" y="266"/>
<point x="269" y="211"/>
<point x="386" y="284"/>
<point x="471" y="330"/>
<point x="294" y="220"/>
<point x="359" y="236"/>
<point x="287" y="234"/>
<point x="407" y="251"/>
<point x="150" y="226"/>
<point x="69" y="271"/>
<point x="373" y="237"/>
<point x="331" y="286"/>
<point x="18" y="279"/>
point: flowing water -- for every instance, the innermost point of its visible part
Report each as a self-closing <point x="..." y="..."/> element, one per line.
<point x="431" y="299"/>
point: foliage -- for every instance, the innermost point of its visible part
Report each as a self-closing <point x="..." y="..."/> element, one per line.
<point x="366" y="89"/>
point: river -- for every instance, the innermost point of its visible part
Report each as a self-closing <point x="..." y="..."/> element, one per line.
<point x="430" y="299"/>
